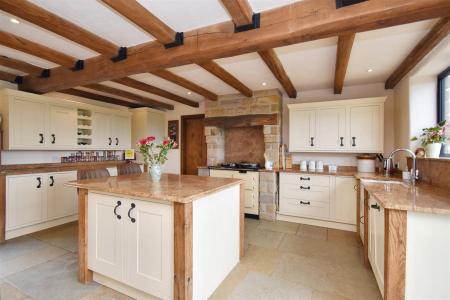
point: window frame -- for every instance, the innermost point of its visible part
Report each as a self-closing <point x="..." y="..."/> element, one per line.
<point x="441" y="101"/>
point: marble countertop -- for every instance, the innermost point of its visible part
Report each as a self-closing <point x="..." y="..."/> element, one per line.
<point x="404" y="196"/>
<point x="172" y="187"/>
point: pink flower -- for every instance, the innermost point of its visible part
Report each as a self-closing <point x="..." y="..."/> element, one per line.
<point x="150" y="138"/>
<point x="166" y="142"/>
<point x="142" y="142"/>
<point x="175" y="144"/>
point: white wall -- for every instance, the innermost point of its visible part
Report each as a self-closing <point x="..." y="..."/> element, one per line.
<point x="173" y="164"/>
<point x="7" y="85"/>
<point x="349" y="92"/>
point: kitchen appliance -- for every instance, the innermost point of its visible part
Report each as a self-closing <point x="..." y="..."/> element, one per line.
<point x="319" y="165"/>
<point x="303" y="166"/>
<point x="249" y="166"/>
<point x="312" y="165"/>
<point x="366" y="163"/>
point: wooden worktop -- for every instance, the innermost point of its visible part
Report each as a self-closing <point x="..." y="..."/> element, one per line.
<point x="56" y="167"/>
<point x="404" y="196"/>
<point x="172" y="187"/>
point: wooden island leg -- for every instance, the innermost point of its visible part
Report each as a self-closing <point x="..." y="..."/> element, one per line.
<point x="84" y="274"/>
<point x="182" y="218"/>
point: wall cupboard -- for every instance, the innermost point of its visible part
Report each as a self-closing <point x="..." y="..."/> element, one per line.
<point x="36" y="122"/>
<point x="38" y="201"/>
<point x="337" y="126"/>
<point x="324" y="200"/>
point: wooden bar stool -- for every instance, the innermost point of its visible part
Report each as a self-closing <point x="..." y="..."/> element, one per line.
<point x="127" y="169"/>
<point x="92" y="173"/>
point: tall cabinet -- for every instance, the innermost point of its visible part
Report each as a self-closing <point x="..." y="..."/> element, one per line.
<point x="351" y="126"/>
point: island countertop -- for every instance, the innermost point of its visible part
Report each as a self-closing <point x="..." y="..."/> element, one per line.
<point x="401" y="196"/>
<point x="172" y="187"/>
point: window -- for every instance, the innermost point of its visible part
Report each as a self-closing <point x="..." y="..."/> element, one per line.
<point x="444" y="104"/>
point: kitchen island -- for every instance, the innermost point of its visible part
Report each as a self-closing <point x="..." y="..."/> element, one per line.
<point x="174" y="239"/>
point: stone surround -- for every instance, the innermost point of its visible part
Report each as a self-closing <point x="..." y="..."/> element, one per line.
<point x="262" y="104"/>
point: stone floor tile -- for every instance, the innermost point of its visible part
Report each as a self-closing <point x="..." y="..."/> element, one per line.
<point x="53" y="280"/>
<point x="39" y="255"/>
<point x="251" y="223"/>
<point x="263" y="287"/>
<point x="64" y="236"/>
<point x="105" y="293"/>
<point x="347" y="238"/>
<point x="319" y="295"/>
<point x="226" y="288"/>
<point x="9" y="292"/>
<point x="260" y="259"/>
<point x="312" y="232"/>
<point x="265" y="238"/>
<point x="279" y="226"/>
<point x="19" y="246"/>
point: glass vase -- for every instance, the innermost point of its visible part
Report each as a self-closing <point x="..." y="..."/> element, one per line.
<point x="155" y="172"/>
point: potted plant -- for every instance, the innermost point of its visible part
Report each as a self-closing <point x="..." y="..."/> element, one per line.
<point x="155" y="154"/>
<point x="432" y="139"/>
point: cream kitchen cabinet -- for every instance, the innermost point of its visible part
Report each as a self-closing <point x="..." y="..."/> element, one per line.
<point x="111" y="131"/>
<point x="345" y="200"/>
<point x="39" y="201"/>
<point x="62" y="131"/>
<point x="251" y="187"/>
<point x="337" y="126"/>
<point x="131" y="241"/>
<point x="376" y="241"/>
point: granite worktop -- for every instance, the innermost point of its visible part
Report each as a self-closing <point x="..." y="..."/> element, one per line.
<point x="405" y="196"/>
<point x="172" y="187"/>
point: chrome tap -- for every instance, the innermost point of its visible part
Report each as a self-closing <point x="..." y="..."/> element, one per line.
<point x="414" y="175"/>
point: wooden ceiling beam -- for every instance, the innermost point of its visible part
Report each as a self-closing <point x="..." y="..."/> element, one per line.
<point x="297" y="22"/>
<point x="344" y="49"/>
<point x="5" y="76"/>
<point x="431" y="40"/>
<point x="136" y="84"/>
<point x="134" y="98"/>
<point x="24" y="45"/>
<point x="272" y="61"/>
<point x="240" y="11"/>
<point x="20" y="65"/>
<point x="140" y="16"/>
<point x="93" y="96"/>
<point x="34" y="14"/>
<point x="214" y="68"/>
<point x="189" y="85"/>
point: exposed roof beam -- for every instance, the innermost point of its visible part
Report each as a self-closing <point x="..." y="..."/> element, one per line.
<point x="301" y="22"/>
<point x="271" y="59"/>
<point x="5" y="76"/>
<point x="239" y="10"/>
<point x="136" y="84"/>
<point x="214" y="68"/>
<point x="34" y="14"/>
<point x="431" y="40"/>
<point x="24" y="45"/>
<point x="344" y="49"/>
<point x="140" y="16"/>
<point x="93" y="96"/>
<point x="20" y="65"/>
<point x="137" y="99"/>
<point x="174" y="78"/>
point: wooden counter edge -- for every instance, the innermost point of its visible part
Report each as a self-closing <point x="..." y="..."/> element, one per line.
<point x="84" y="274"/>
<point x="183" y="281"/>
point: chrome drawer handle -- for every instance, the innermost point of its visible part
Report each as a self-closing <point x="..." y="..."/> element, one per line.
<point x="305" y="188"/>
<point x="305" y="203"/>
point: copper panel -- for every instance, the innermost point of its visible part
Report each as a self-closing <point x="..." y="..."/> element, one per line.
<point x="244" y="144"/>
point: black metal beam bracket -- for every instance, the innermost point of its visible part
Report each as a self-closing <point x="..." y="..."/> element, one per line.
<point x="344" y="3"/>
<point x="18" y="79"/>
<point x="256" y="23"/>
<point x="179" y="40"/>
<point x="121" y="55"/>
<point x="79" y="65"/>
<point x="45" y="73"/>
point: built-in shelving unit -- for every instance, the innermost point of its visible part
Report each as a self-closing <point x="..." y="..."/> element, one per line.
<point x="84" y="129"/>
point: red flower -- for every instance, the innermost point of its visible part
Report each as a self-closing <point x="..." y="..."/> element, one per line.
<point x="142" y="142"/>
<point x="166" y="142"/>
<point x="150" y="138"/>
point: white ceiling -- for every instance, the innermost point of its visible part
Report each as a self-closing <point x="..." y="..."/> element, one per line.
<point x="309" y="65"/>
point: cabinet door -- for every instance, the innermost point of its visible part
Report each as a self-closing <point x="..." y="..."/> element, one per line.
<point x="25" y="200"/>
<point x="376" y="241"/>
<point x="251" y="191"/>
<point x="62" y="127"/>
<point x="366" y="129"/>
<point x="302" y="130"/>
<point x="361" y="212"/>
<point x="149" y="246"/>
<point x="101" y="131"/>
<point x="345" y="200"/>
<point x="27" y="121"/>
<point x="120" y="127"/>
<point x="330" y="129"/>
<point x="221" y="173"/>
<point x="61" y="200"/>
<point x="105" y="235"/>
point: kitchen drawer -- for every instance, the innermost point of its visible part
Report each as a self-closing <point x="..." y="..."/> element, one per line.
<point x="304" y="208"/>
<point x="305" y="192"/>
<point x="251" y="179"/>
<point x="305" y="179"/>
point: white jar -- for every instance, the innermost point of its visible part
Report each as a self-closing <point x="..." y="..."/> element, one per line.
<point x="366" y="164"/>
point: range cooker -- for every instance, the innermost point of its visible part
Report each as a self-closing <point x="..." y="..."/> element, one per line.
<point x="239" y="166"/>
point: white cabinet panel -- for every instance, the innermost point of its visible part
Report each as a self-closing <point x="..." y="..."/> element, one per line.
<point x="345" y="200"/>
<point x="28" y="124"/>
<point x="361" y="212"/>
<point x="149" y="248"/>
<point x="330" y="130"/>
<point x="61" y="200"/>
<point x="105" y="234"/>
<point x="376" y="241"/>
<point x="25" y="200"/>
<point x="100" y="130"/>
<point x="222" y="173"/>
<point x="302" y="130"/>
<point x="62" y="127"/>
<point x="365" y="128"/>
<point x="121" y="131"/>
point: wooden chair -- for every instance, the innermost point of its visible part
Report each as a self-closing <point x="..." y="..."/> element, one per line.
<point x="127" y="169"/>
<point x="92" y="173"/>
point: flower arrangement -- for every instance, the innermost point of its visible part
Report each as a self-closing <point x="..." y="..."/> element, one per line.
<point x="155" y="154"/>
<point x="433" y="135"/>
